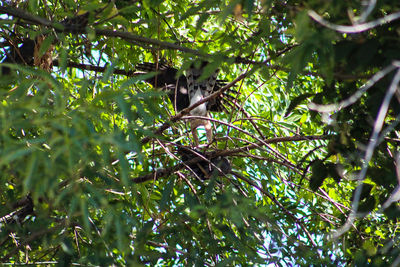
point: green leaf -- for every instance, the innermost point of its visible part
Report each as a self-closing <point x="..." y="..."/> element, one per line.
<point x="85" y="215"/>
<point x="16" y="154"/>
<point x="31" y="171"/>
<point x="44" y="47"/>
<point x="166" y="195"/>
<point x="124" y="168"/>
<point x="109" y="70"/>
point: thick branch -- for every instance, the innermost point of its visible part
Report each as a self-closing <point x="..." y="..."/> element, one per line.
<point x="355" y="28"/>
<point x="82" y="66"/>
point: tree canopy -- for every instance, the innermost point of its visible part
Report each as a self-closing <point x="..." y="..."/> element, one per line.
<point x="98" y="168"/>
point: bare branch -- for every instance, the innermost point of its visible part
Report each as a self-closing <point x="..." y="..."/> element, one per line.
<point x="357" y="95"/>
<point x="373" y="142"/>
<point x="369" y="7"/>
<point x="355" y="28"/>
<point x="275" y="140"/>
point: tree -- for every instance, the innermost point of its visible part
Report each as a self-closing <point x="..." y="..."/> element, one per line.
<point x="93" y="163"/>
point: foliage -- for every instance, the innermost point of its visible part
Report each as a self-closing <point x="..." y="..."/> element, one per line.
<point x="90" y="167"/>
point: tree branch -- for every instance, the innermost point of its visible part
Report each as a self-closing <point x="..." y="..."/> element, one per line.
<point x="82" y="66"/>
<point x="213" y="154"/>
<point x="354" y="28"/>
<point x="137" y="39"/>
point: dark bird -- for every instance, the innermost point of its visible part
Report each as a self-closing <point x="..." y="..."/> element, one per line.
<point x="207" y="166"/>
<point x="166" y="78"/>
<point x="184" y="91"/>
<point x="19" y="55"/>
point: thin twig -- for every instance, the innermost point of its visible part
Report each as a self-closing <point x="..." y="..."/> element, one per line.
<point x="273" y="199"/>
<point x="167" y="171"/>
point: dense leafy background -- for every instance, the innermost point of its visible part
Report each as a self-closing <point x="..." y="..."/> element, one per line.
<point x="85" y="177"/>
